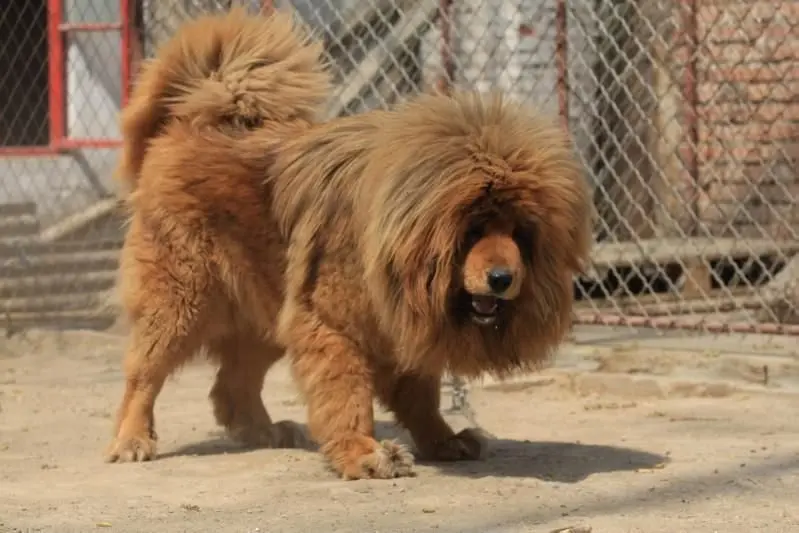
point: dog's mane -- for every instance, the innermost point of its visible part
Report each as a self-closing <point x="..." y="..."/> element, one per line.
<point x="437" y="163"/>
<point x="316" y="175"/>
<point x="319" y="171"/>
<point x="411" y="181"/>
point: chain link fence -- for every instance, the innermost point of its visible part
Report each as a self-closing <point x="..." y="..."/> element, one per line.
<point x="684" y="113"/>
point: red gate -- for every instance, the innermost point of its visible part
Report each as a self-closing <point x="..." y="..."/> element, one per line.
<point x="57" y="32"/>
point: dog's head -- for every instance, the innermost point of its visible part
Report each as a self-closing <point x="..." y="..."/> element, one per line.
<point x="491" y="268"/>
<point x="477" y="218"/>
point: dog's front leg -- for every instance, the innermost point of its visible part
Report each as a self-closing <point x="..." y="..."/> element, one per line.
<point x="337" y="381"/>
<point x="415" y="401"/>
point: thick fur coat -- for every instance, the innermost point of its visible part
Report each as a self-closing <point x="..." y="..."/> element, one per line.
<point x="379" y="250"/>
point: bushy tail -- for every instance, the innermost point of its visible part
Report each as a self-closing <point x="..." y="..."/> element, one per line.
<point x="234" y="70"/>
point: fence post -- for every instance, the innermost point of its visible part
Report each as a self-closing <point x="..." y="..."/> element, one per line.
<point x="562" y="59"/>
<point x="447" y="61"/>
<point x="697" y="276"/>
<point x="126" y="21"/>
<point x="55" y="41"/>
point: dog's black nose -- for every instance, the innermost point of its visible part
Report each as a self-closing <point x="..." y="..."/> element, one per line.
<point x="499" y="279"/>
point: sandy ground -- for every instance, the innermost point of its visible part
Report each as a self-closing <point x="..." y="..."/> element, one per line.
<point x="613" y="439"/>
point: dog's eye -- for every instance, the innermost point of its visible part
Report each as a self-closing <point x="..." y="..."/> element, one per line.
<point x="526" y="241"/>
<point x="473" y="234"/>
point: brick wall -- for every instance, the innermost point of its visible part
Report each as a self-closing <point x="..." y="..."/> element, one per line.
<point x="748" y="110"/>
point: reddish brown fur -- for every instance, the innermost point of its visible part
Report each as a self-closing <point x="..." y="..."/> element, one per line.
<point x="350" y="242"/>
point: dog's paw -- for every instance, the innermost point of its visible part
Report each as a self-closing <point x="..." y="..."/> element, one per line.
<point x="283" y="434"/>
<point x="389" y="460"/>
<point x="467" y="445"/>
<point x="131" y="449"/>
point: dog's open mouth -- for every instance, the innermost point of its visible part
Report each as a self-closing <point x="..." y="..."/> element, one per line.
<point x="484" y="309"/>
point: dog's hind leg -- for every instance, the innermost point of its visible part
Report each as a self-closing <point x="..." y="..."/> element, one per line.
<point x="236" y="394"/>
<point x="166" y="299"/>
<point x="151" y="357"/>
<point x="415" y="401"/>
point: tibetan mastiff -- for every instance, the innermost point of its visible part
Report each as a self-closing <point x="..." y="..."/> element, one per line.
<point x="377" y="251"/>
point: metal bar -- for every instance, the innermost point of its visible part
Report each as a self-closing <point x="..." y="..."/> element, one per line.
<point x="55" y="43"/>
<point x="64" y="145"/>
<point x="562" y="60"/>
<point x="69" y="27"/>
<point x="24" y="151"/>
<point x="72" y="144"/>
<point x="611" y="319"/>
<point x="447" y="62"/>
<point x="126" y="20"/>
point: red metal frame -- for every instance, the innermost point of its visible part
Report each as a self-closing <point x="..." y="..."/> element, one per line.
<point x="57" y="97"/>
<point x="126" y="29"/>
<point x="55" y="60"/>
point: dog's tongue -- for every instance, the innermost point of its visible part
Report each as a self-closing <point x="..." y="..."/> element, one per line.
<point x="485" y="305"/>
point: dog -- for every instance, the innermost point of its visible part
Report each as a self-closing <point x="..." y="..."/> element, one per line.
<point x="441" y="236"/>
<point x="377" y="251"/>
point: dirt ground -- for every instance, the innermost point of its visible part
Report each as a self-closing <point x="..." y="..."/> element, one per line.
<point x="618" y="437"/>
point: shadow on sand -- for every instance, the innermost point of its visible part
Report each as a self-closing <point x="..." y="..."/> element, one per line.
<point x="563" y="462"/>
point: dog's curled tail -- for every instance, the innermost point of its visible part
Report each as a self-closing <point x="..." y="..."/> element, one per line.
<point x="233" y="71"/>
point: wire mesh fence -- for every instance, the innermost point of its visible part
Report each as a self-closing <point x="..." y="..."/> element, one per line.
<point x="683" y="112"/>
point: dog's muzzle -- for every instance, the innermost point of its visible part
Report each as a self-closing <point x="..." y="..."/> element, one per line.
<point x="485" y="309"/>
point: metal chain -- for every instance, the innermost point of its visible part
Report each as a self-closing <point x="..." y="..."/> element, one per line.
<point x="460" y="404"/>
